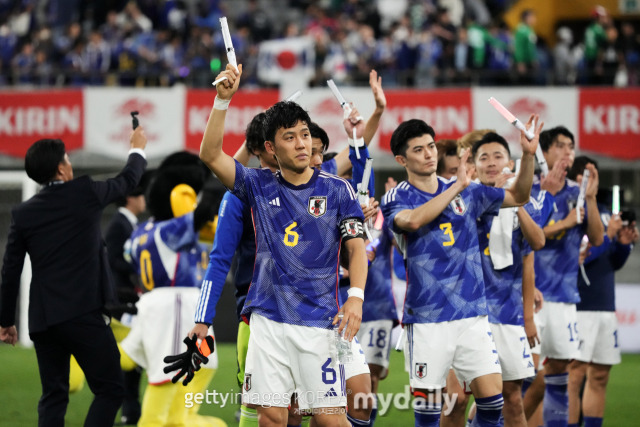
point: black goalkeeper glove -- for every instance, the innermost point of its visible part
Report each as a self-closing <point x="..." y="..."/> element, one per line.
<point x="189" y="362"/>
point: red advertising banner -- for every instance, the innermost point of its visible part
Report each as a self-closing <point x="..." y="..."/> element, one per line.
<point x="26" y="117"/>
<point x="244" y="106"/>
<point x="609" y="121"/>
<point x="447" y="111"/>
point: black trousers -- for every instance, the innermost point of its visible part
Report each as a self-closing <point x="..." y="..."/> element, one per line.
<point x="91" y="341"/>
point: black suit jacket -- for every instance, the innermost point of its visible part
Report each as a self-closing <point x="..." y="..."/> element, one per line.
<point x="60" y="230"/>
<point x="118" y="231"/>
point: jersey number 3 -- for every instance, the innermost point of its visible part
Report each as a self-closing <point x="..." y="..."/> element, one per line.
<point x="446" y="229"/>
<point x="290" y="236"/>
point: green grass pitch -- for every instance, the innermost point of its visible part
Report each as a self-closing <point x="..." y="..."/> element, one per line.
<point x="20" y="391"/>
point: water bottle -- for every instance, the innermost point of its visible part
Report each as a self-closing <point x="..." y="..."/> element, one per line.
<point x="343" y="347"/>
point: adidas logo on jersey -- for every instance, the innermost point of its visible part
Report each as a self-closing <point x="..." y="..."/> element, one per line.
<point x="530" y="365"/>
<point x="331" y="393"/>
<point x="378" y="354"/>
<point x="275" y="202"/>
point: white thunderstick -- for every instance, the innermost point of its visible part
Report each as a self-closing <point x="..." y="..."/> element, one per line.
<point x="231" y="53"/>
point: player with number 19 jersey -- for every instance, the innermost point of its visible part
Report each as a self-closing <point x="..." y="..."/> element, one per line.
<point x="444" y="272"/>
<point x="298" y="230"/>
<point x="557" y="264"/>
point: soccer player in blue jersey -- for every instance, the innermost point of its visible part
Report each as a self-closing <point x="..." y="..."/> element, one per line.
<point x="302" y="219"/>
<point x="556" y="270"/>
<point x="445" y="312"/>
<point x="597" y="321"/>
<point x="508" y="275"/>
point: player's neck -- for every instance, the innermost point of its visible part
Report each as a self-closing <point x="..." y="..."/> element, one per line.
<point x="427" y="183"/>
<point x="297" y="177"/>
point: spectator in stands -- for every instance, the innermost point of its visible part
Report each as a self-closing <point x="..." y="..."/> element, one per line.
<point x="563" y="58"/>
<point x="595" y="39"/>
<point x="525" y="55"/>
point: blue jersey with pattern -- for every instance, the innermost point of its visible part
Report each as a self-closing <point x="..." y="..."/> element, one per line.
<point x="167" y="253"/>
<point x="556" y="264"/>
<point x="379" y="302"/>
<point x="298" y="242"/>
<point x="444" y="272"/>
<point x="330" y="166"/>
<point x="504" y="287"/>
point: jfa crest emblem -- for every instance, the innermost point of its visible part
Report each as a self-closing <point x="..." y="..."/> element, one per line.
<point x="421" y="370"/>
<point x="247" y="382"/>
<point x="317" y="205"/>
<point x="458" y="206"/>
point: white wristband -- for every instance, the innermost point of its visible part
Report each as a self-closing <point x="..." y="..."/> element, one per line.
<point x="356" y="292"/>
<point x="221" y="104"/>
<point x="356" y="143"/>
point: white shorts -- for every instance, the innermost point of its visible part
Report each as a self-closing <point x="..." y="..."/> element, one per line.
<point x="165" y="317"/>
<point x="598" y="337"/>
<point x="513" y="351"/>
<point x="433" y="348"/>
<point x="375" y="339"/>
<point x="558" y="329"/>
<point x="283" y="359"/>
<point x="358" y="364"/>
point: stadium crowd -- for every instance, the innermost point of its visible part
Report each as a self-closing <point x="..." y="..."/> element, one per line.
<point x="412" y="43"/>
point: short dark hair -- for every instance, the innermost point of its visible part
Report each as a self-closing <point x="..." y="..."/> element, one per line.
<point x="548" y="137"/>
<point x="579" y="165"/>
<point x="407" y="130"/>
<point x="255" y="134"/>
<point x="42" y="159"/>
<point x="489" y="138"/>
<point x="525" y="14"/>
<point x="446" y="147"/>
<point x="283" y="114"/>
<point x="318" y="132"/>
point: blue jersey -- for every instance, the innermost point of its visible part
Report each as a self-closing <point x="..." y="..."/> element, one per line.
<point x="234" y="236"/>
<point x="330" y="166"/>
<point x="379" y="303"/>
<point x="556" y="264"/>
<point x="504" y="287"/>
<point x="167" y="253"/>
<point x="298" y="239"/>
<point x="600" y="267"/>
<point x="444" y="272"/>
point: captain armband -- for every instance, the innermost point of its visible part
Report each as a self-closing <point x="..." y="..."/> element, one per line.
<point x="351" y="228"/>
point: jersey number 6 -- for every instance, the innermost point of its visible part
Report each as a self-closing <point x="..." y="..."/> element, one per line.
<point x="290" y="236"/>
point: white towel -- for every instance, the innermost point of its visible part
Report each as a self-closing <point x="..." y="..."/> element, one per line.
<point x="500" y="239"/>
<point x="501" y="234"/>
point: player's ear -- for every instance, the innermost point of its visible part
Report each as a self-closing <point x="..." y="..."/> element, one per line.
<point x="270" y="147"/>
<point x="402" y="160"/>
<point x="511" y="164"/>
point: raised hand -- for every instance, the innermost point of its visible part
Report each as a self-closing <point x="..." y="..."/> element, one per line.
<point x="592" y="185"/>
<point x="228" y="87"/>
<point x="376" y="87"/>
<point x="554" y="182"/>
<point x="354" y="120"/>
<point x="530" y="147"/>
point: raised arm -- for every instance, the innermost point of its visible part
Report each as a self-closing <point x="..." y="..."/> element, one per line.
<point x="413" y="219"/>
<point x="370" y="128"/>
<point x="243" y="155"/>
<point x="211" y="152"/>
<point x="595" y="227"/>
<point x="520" y="191"/>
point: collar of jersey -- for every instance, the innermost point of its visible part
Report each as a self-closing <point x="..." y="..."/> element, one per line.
<point x="440" y="184"/>
<point x="301" y="186"/>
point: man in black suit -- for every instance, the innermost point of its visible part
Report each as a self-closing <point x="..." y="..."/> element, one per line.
<point x="71" y="280"/>
<point x="126" y="281"/>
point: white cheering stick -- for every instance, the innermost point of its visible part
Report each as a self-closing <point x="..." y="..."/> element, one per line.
<point x="345" y="107"/>
<point x="615" y="205"/>
<point x="544" y="168"/>
<point x="581" y="195"/>
<point x="231" y="54"/>
<point x="295" y="95"/>
<point x="363" y="194"/>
